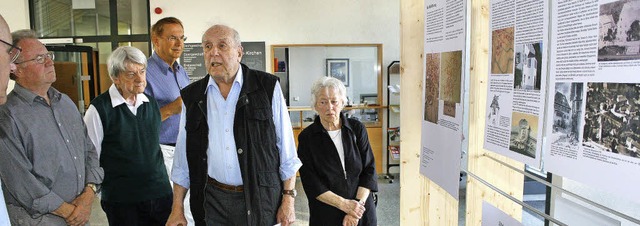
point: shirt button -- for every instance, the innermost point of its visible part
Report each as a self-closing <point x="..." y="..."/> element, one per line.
<point x="227" y="148"/>
<point x="59" y="124"/>
<point x="226" y="130"/>
<point x="79" y="175"/>
<point x="67" y="140"/>
<point x="74" y="157"/>
<point x="240" y="151"/>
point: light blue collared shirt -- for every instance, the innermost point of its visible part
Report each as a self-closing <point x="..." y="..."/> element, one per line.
<point x="4" y="215"/>
<point x="225" y="167"/>
<point x="164" y="85"/>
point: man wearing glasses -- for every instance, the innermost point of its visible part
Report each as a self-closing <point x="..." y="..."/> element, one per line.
<point x="6" y="60"/>
<point x="8" y="54"/>
<point x="165" y="78"/>
<point x="49" y="163"/>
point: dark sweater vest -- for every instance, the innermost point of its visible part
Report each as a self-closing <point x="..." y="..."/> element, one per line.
<point x="134" y="169"/>
<point x="254" y="134"/>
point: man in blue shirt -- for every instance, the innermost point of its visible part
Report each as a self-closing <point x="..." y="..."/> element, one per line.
<point x="235" y="151"/>
<point x="165" y="78"/>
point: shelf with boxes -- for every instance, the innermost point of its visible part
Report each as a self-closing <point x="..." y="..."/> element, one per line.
<point x="393" y="119"/>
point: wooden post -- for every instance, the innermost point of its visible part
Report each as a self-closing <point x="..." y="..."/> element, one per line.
<point x="422" y="201"/>
<point x="500" y="176"/>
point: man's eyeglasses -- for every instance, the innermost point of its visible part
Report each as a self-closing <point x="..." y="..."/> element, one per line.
<point x="13" y="51"/>
<point x="174" y="38"/>
<point x="40" y="58"/>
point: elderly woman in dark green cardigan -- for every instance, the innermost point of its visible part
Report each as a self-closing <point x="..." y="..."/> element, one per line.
<point x="124" y="125"/>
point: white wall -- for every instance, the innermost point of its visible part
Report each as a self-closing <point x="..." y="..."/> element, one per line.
<point x="274" y="21"/>
<point x="16" y="13"/>
<point x="293" y="21"/>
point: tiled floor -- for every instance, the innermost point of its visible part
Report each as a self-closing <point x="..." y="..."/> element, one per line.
<point x="388" y="209"/>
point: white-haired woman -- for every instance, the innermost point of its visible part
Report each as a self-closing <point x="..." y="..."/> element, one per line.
<point x="338" y="170"/>
<point x="124" y="125"/>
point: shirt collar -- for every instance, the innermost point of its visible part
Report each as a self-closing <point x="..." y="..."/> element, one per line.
<point x="155" y="59"/>
<point x="117" y="99"/>
<point x="238" y="80"/>
<point x="24" y="93"/>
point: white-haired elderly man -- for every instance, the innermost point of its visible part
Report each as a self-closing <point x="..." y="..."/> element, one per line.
<point x="124" y="125"/>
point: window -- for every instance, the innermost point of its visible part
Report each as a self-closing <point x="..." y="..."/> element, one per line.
<point x="93" y="21"/>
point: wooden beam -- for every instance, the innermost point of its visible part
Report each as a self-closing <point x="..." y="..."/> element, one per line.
<point x="491" y="171"/>
<point x="422" y="202"/>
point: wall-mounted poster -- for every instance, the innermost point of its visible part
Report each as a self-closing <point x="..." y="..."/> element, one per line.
<point x="442" y="97"/>
<point x="339" y="68"/>
<point x="192" y="59"/>
<point x="254" y="55"/>
<point x="518" y="69"/>
<point x="492" y="216"/>
<point x="594" y="133"/>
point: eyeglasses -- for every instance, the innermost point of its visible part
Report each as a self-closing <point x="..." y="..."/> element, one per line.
<point x="174" y="38"/>
<point x="13" y="51"/>
<point x="40" y="58"/>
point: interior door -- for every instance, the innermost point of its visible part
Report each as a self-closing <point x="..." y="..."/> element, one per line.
<point x="76" y="73"/>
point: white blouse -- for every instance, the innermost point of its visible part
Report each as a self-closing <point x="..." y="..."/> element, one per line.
<point x="336" y="137"/>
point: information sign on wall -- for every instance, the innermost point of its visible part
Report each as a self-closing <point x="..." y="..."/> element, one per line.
<point x="192" y="58"/>
<point x="254" y="55"/>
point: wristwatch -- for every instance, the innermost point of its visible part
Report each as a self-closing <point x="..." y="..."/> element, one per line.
<point x="93" y="187"/>
<point x="292" y="193"/>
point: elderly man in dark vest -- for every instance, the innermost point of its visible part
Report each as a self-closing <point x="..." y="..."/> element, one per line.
<point x="235" y="148"/>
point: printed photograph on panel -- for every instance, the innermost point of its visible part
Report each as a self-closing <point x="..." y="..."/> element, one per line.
<point x="432" y="82"/>
<point x="567" y="114"/>
<point x="611" y="118"/>
<point x="528" y="70"/>
<point x="619" y="31"/>
<point x="502" y="51"/>
<point x="524" y="130"/>
<point x="451" y="76"/>
<point x="493" y="114"/>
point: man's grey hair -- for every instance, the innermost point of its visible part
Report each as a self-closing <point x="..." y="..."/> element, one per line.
<point x="122" y="56"/>
<point x="331" y="83"/>
<point x="20" y="35"/>
<point x="236" y="35"/>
